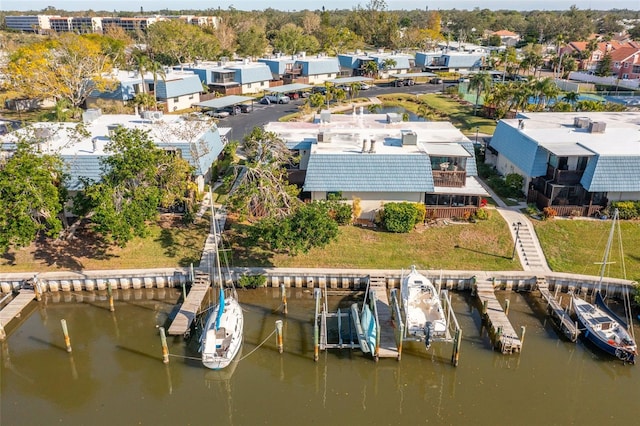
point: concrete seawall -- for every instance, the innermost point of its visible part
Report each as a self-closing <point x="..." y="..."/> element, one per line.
<point x="347" y="279"/>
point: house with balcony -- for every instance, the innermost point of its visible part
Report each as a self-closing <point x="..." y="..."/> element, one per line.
<point x="200" y="142"/>
<point x="303" y="69"/>
<point x="232" y="78"/>
<point x="378" y="158"/>
<point x="576" y="163"/>
<point x="354" y="64"/>
<point x="451" y="61"/>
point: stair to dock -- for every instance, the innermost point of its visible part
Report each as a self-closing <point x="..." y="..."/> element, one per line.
<point x="191" y="305"/>
<point x="388" y="348"/>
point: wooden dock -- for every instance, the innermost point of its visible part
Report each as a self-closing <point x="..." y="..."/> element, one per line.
<point x="191" y="305"/>
<point x="388" y="348"/>
<point x="503" y="334"/>
<point x="560" y="316"/>
<point x="14" y="308"/>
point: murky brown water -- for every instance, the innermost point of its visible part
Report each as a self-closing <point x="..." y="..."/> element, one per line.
<point x="115" y="376"/>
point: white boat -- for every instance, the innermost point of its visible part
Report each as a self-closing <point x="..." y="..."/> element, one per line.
<point x="222" y="335"/>
<point x="424" y="317"/>
<point x="601" y="325"/>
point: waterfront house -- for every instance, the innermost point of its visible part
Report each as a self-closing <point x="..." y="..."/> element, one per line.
<point x="200" y="142"/>
<point x="575" y="163"/>
<point x="378" y="158"/>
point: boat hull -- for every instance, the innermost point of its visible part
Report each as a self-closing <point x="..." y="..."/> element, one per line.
<point x="596" y="337"/>
<point x="423" y="314"/>
<point x="222" y="337"/>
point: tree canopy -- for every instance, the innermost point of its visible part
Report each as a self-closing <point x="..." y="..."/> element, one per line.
<point x="68" y="67"/>
<point x="137" y="178"/>
<point x="32" y="194"/>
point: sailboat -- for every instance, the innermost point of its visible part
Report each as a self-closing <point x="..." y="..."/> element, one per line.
<point x="601" y="325"/>
<point x="223" y="331"/>
<point x="424" y="317"/>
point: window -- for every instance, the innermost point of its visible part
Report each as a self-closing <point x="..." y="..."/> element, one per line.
<point x="191" y="97"/>
<point x="625" y="65"/>
<point x="176" y="100"/>
<point x="262" y="83"/>
<point x="248" y="85"/>
<point x="582" y="163"/>
<point x="616" y="64"/>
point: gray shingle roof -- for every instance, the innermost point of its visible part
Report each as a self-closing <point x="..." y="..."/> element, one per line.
<point x="369" y="173"/>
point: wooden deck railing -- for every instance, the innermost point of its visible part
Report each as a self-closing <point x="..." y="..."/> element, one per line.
<point x="449" y="178"/>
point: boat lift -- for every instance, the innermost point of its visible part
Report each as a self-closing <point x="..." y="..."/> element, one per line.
<point x="366" y="329"/>
<point x="453" y="333"/>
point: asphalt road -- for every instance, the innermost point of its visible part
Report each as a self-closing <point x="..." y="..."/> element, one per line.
<point x="243" y="123"/>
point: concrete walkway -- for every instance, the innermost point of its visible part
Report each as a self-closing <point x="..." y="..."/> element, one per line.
<point x="526" y="244"/>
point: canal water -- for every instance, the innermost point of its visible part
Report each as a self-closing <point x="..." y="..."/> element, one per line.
<point x="115" y="376"/>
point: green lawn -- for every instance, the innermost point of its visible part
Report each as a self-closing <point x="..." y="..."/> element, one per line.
<point x="576" y="245"/>
<point x="485" y="245"/>
<point x="169" y="244"/>
<point x="459" y="113"/>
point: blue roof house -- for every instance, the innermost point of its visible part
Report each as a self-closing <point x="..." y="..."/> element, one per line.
<point x="354" y="63"/>
<point x="177" y="90"/>
<point x="128" y="85"/>
<point x="233" y="78"/>
<point x="376" y="159"/>
<point x="576" y="163"/>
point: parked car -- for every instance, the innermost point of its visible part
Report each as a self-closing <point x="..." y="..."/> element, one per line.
<point x="278" y="98"/>
<point x="436" y="80"/>
<point x="231" y="109"/>
<point x="364" y="86"/>
<point x="246" y="108"/>
<point x="344" y="87"/>
<point x="319" y="89"/>
<point x="216" y="113"/>
<point x="404" y="82"/>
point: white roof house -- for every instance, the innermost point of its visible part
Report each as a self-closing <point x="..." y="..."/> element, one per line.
<point x="580" y="160"/>
<point x="378" y="158"/>
<point x="197" y="141"/>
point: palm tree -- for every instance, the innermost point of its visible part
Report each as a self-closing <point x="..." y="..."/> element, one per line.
<point x="157" y="70"/>
<point x="571" y="97"/>
<point x="354" y="89"/>
<point x="371" y="68"/>
<point x="546" y="90"/>
<point x="480" y="82"/>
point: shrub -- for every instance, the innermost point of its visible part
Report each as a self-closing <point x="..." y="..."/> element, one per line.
<point x="481" y="214"/>
<point x="400" y="217"/>
<point x="252" y="281"/>
<point x="549" y="213"/>
<point x="357" y="208"/>
<point x="532" y="210"/>
<point x="626" y="209"/>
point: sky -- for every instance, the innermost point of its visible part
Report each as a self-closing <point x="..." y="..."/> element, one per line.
<point x="288" y="5"/>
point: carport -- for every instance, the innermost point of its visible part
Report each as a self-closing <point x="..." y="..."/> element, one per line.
<point x="414" y="75"/>
<point x="349" y="80"/>
<point x="225" y="101"/>
<point x="293" y="88"/>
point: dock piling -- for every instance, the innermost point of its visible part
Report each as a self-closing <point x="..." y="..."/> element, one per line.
<point x="523" y="331"/>
<point x="110" y="293"/>
<point x="65" y="332"/>
<point x="3" y="334"/>
<point x="485" y="306"/>
<point x="279" y="336"/>
<point x="506" y="306"/>
<point x="283" y="294"/>
<point x="165" y="349"/>
<point x="456" y="347"/>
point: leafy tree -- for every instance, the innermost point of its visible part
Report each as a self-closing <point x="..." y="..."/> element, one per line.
<point x="69" y="67"/>
<point x="340" y="40"/>
<point x="604" y="66"/>
<point x="32" y="194"/>
<point x="252" y="42"/>
<point x="137" y="178"/>
<point x="263" y="190"/>
<point x="175" y="42"/>
<point x="309" y="226"/>
<point x="291" y="39"/>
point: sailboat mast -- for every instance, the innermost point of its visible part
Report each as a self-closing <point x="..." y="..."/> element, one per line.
<point x="607" y="250"/>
